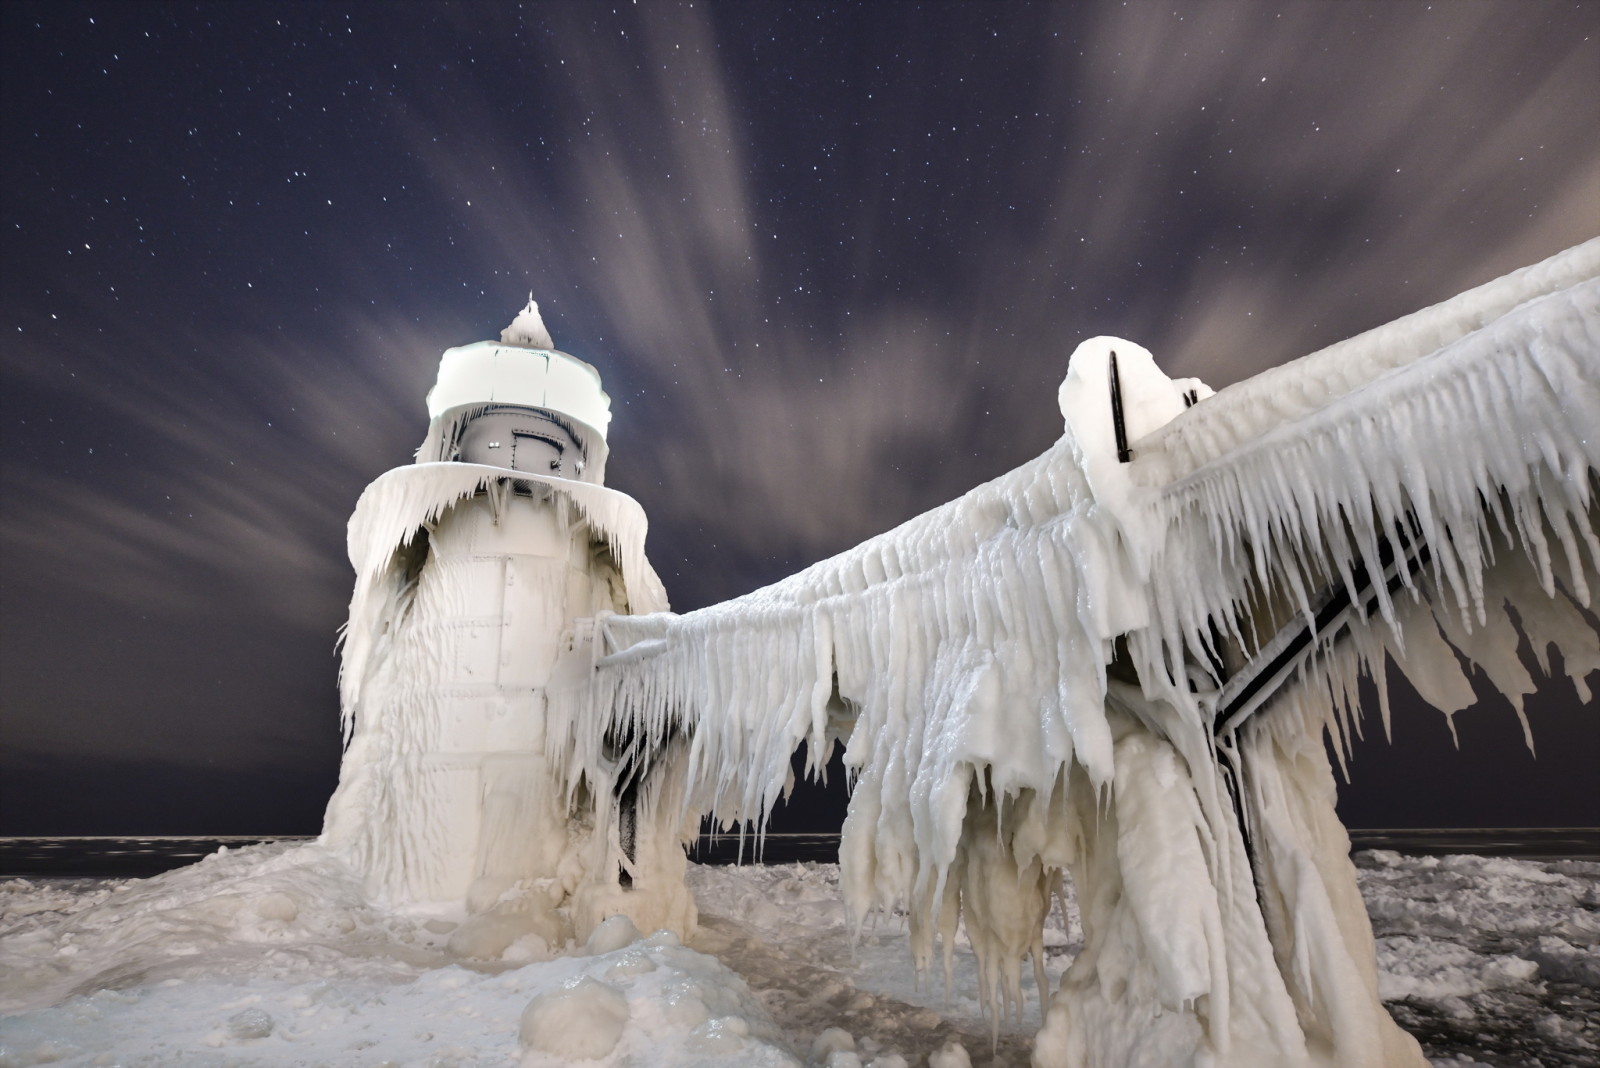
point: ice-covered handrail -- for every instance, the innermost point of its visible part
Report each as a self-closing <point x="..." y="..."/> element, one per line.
<point x="1485" y="444"/>
<point x="1282" y="395"/>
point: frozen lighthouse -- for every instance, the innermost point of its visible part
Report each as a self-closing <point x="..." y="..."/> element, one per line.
<point x="478" y="569"/>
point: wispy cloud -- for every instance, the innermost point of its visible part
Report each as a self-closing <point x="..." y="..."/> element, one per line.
<point x="1232" y="185"/>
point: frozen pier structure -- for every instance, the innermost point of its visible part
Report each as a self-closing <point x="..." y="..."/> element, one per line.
<point x="1119" y="662"/>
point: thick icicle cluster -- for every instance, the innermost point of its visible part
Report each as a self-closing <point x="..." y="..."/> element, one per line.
<point x="1466" y="423"/>
<point x="1026" y="677"/>
<point x="405" y="501"/>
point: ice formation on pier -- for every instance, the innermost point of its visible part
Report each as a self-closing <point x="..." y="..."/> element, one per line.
<point x="1027" y="679"/>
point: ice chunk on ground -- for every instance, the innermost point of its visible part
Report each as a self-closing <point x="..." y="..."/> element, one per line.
<point x="612" y="934"/>
<point x="950" y="1055"/>
<point x="582" y="1021"/>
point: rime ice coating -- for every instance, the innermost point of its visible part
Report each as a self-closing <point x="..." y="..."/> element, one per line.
<point x="465" y="622"/>
<point x="1025" y="678"/>
<point x="474" y="585"/>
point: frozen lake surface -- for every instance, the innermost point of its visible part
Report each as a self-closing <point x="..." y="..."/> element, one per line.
<point x="258" y="957"/>
<point x="152" y="854"/>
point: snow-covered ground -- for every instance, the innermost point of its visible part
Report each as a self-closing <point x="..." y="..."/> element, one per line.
<point x="269" y="956"/>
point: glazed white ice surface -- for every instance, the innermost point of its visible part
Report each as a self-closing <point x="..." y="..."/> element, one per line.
<point x="268" y="956"/>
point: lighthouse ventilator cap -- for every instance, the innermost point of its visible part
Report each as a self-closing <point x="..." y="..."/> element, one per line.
<point x="525" y="369"/>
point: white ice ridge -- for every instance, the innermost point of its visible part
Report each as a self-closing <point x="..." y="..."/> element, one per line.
<point x="1026" y="677"/>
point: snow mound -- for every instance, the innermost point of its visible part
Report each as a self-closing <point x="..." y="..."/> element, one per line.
<point x="207" y="965"/>
<point x="584" y="1021"/>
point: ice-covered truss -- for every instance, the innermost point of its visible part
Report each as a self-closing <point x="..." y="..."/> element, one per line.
<point x="1117" y="662"/>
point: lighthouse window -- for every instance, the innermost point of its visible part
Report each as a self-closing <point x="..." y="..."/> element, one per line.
<point x="531" y="451"/>
<point x="523" y="439"/>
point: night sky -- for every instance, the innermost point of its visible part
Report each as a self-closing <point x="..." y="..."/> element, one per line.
<point x="830" y="261"/>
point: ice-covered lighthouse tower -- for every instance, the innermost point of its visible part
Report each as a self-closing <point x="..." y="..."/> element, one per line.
<point x="476" y="568"/>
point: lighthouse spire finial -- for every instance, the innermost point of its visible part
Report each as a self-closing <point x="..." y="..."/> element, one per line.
<point x="527" y="329"/>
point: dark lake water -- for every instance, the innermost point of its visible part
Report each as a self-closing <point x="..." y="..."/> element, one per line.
<point x="128" y="857"/>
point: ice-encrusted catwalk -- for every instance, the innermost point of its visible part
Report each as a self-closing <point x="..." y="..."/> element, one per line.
<point x="1026" y="678"/>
